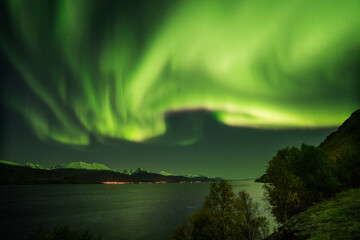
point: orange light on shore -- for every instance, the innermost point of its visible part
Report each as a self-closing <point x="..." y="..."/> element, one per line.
<point x="116" y="182"/>
<point x="131" y="182"/>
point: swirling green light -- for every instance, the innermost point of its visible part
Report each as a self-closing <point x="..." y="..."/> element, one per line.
<point x="103" y="71"/>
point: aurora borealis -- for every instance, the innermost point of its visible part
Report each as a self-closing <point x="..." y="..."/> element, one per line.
<point x="81" y="72"/>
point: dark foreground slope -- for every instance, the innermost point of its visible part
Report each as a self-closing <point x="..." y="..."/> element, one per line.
<point x="11" y="174"/>
<point x="336" y="218"/>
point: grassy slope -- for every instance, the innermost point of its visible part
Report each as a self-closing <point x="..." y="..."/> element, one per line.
<point x="337" y="218"/>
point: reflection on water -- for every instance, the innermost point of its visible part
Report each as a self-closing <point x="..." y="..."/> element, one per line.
<point x="136" y="211"/>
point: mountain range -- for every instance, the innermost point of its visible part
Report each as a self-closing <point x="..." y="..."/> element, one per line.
<point x="81" y="172"/>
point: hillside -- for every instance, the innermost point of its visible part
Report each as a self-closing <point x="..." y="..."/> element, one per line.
<point x="336" y="218"/>
<point x="346" y="138"/>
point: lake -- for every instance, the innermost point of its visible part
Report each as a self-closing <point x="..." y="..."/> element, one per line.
<point x="129" y="212"/>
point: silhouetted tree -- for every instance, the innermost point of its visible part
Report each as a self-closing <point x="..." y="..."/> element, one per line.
<point x="285" y="191"/>
<point x="248" y="224"/>
<point x="224" y="216"/>
<point x="219" y="206"/>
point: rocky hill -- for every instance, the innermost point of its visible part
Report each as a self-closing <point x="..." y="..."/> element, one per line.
<point x="345" y="139"/>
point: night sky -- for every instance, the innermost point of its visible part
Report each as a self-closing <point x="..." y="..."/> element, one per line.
<point x="205" y="87"/>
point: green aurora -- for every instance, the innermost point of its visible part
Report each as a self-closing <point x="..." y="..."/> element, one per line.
<point x="112" y="70"/>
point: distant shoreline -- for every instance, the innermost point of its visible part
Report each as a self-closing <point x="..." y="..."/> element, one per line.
<point x="15" y="174"/>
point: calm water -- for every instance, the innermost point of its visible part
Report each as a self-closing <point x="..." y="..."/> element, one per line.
<point x="132" y="212"/>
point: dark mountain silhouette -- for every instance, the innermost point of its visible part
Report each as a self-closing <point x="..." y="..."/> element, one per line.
<point x="82" y="173"/>
<point x="345" y="139"/>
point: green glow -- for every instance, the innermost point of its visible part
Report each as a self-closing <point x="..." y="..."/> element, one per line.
<point x="264" y="64"/>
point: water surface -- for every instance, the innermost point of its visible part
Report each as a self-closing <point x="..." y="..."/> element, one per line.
<point x="129" y="212"/>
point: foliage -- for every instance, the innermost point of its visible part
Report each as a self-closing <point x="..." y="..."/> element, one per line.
<point x="224" y="216"/>
<point x="298" y="178"/>
<point x="317" y="172"/>
<point x="285" y="191"/>
<point x="62" y="232"/>
<point x="250" y="224"/>
<point x="348" y="168"/>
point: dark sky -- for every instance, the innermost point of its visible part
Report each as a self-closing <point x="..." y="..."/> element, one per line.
<point x="201" y="87"/>
<point x="231" y="152"/>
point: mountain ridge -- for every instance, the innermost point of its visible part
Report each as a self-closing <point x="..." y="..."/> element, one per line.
<point x="345" y="139"/>
<point x="81" y="172"/>
<point x="98" y="167"/>
<point x="84" y="165"/>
